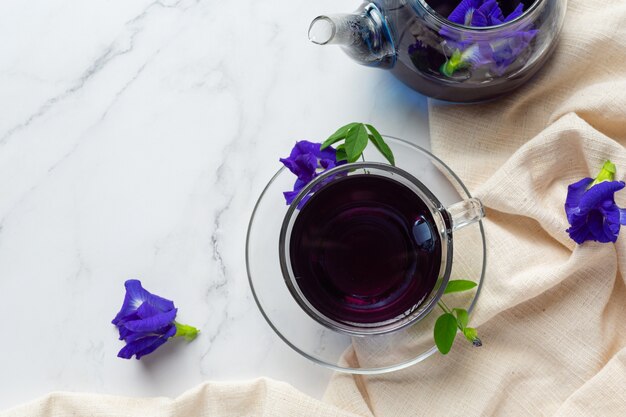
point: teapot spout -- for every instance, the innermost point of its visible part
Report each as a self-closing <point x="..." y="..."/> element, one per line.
<point x="323" y="30"/>
<point x="363" y="35"/>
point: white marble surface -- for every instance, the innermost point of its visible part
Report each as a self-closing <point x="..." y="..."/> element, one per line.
<point x="135" y="137"/>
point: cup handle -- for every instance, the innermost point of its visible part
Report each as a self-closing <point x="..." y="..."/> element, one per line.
<point x="465" y="212"/>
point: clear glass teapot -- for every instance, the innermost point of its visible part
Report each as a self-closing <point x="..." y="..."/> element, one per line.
<point x="455" y="50"/>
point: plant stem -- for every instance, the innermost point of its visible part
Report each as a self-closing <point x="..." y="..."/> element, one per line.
<point x="447" y="310"/>
<point x="444" y="307"/>
<point x="186" y="331"/>
<point x="363" y="159"/>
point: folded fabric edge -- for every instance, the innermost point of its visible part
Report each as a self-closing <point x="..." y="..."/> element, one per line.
<point x="258" y="397"/>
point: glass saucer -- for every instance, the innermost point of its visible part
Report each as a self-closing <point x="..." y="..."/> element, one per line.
<point x="371" y="354"/>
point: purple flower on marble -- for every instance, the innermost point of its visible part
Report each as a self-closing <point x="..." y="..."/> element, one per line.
<point x="146" y="321"/>
<point x="591" y="210"/>
<point x="306" y="161"/>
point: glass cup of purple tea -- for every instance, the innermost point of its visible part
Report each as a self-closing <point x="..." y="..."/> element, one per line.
<point x="366" y="248"/>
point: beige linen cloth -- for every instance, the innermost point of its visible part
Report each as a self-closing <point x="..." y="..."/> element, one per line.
<point x="552" y="315"/>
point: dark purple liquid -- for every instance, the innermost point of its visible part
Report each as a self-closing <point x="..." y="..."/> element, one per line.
<point x="363" y="250"/>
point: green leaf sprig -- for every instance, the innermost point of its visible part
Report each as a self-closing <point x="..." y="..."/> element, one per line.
<point x="356" y="136"/>
<point x="453" y="320"/>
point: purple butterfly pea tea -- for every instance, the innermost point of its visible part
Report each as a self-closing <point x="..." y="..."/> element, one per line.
<point x="364" y="250"/>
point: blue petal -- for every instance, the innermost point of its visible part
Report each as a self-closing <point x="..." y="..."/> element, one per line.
<point x="308" y="149"/>
<point x="331" y="163"/>
<point x="574" y="195"/>
<point x="290" y="196"/>
<point x="521" y="40"/>
<point x="327" y="163"/>
<point x="609" y="234"/>
<point x="579" y="232"/>
<point x="599" y="224"/>
<point x="302" y="161"/>
<point x="464" y="11"/>
<point x="492" y="13"/>
<point x="132" y="336"/>
<point x="515" y="13"/>
<point x="124" y="332"/>
<point x="147" y="310"/>
<point x="327" y="153"/>
<point x="622" y="216"/>
<point x="415" y="47"/>
<point x="611" y="214"/>
<point x="137" y="295"/>
<point x="507" y="49"/>
<point x="304" y="147"/>
<point x="288" y="163"/>
<point x="153" y="323"/>
<point x="598" y="194"/>
<point x="146" y="345"/>
<point x="595" y="223"/>
<point x="307" y="165"/>
<point x="132" y="348"/>
<point x="302" y="165"/>
<point x="477" y="19"/>
<point x="121" y="320"/>
<point x="151" y="348"/>
<point x="297" y="187"/>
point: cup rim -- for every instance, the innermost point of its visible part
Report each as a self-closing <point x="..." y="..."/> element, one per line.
<point x="390" y="325"/>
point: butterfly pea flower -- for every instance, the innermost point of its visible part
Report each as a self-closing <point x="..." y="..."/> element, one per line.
<point x="591" y="210"/>
<point x="497" y="54"/>
<point x="146" y="321"/>
<point x="306" y="161"/>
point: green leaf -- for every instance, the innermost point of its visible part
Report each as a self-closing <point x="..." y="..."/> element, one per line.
<point x="470" y="333"/>
<point x="445" y="332"/>
<point x="461" y="317"/>
<point x="356" y="141"/>
<point x="340" y="134"/>
<point x="381" y="145"/>
<point x="459" y="285"/>
<point x="341" y="153"/>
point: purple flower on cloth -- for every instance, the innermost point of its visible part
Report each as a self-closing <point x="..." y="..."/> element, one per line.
<point x="497" y="54"/>
<point x="591" y="210"/>
<point x="306" y="161"/>
<point x="146" y="321"/>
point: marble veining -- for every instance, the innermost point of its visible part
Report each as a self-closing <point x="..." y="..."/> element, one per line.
<point x="135" y="137"/>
